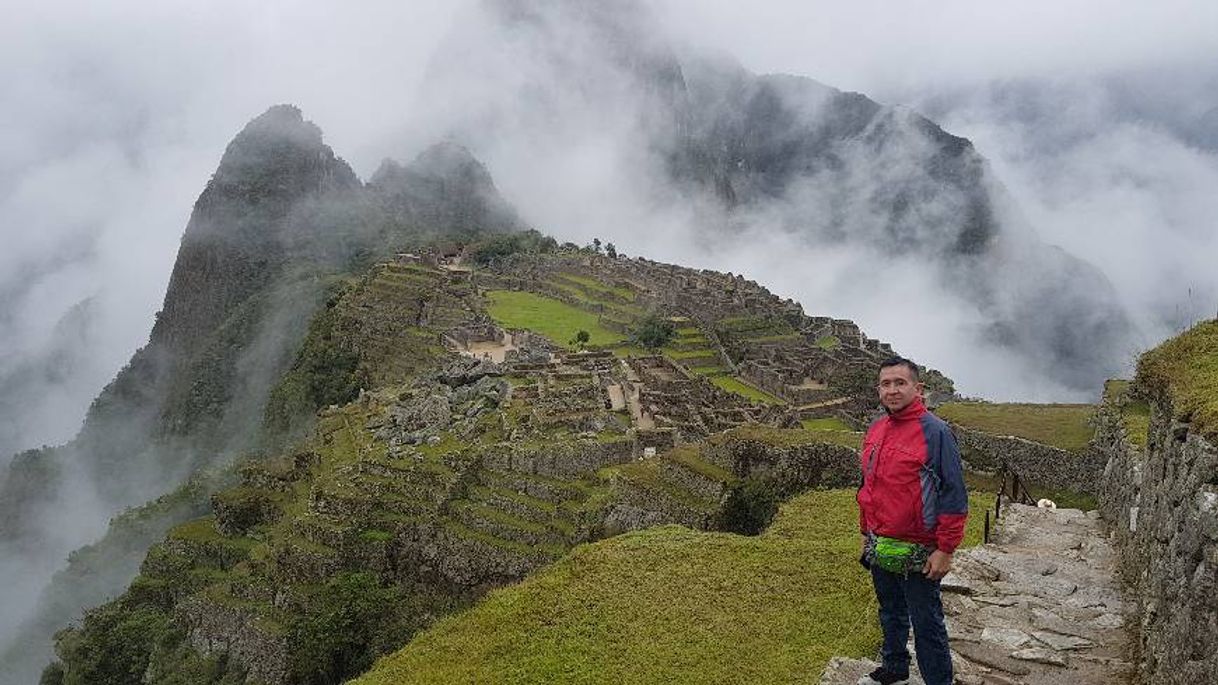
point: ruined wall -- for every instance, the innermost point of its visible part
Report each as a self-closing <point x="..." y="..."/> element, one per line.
<point x="1035" y="463"/>
<point x="1162" y="503"/>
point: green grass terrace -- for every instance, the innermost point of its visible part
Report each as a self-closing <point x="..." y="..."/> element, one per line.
<point x="552" y="318"/>
<point x="1135" y="413"/>
<point x="1066" y="426"/>
<point x="1185" y="369"/>
<point x="670" y="605"/>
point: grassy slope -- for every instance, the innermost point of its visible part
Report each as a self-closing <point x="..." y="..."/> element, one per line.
<point x="1135" y="413"/>
<point x="831" y="423"/>
<point x="556" y="320"/>
<point x="1061" y="425"/>
<point x="1186" y="368"/>
<point x="751" y="392"/>
<point x="669" y="605"/>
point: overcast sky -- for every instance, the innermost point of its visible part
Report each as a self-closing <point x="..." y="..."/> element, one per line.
<point x="114" y="114"/>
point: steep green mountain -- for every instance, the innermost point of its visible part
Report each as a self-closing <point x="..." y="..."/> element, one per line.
<point x="456" y="451"/>
<point x="280" y="227"/>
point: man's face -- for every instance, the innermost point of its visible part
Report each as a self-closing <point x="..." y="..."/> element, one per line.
<point x="897" y="387"/>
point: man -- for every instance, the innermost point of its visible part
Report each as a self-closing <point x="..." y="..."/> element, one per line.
<point x="912" y="509"/>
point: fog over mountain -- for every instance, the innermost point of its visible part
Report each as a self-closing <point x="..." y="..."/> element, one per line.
<point x="134" y="138"/>
<point x="1023" y="201"/>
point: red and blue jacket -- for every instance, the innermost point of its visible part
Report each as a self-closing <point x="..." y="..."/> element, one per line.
<point x="913" y="481"/>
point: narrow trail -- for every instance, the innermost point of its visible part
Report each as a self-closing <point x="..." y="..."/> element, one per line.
<point x="1038" y="605"/>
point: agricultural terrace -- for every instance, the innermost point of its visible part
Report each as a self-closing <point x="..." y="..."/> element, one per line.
<point x="556" y="320"/>
<point x="670" y="605"/>
<point x="1066" y="426"/>
<point x="1185" y="368"/>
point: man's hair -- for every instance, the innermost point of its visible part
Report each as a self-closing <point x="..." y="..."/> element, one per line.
<point x="902" y="361"/>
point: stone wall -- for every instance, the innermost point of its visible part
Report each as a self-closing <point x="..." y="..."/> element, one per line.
<point x="561" y="460"/>
<point x="213" y="627"/>
<point x="1035" y="463"/>
<point x="792" y="469"/>
<point x="1162" y="503"/>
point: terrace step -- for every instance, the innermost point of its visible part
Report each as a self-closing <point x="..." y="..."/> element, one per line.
<point x="321" y="529"/>
<point x="513" y="503"/>
<point x="505" y="526"/>
<point x="536" y="553"/>
<point x="552" y="490"/>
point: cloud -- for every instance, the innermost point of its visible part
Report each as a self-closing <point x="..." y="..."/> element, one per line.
<point x="1093" y="116"/>
<point x="113" y="117"/>
<point x="1127" y="193"/>
<point x="876" y="46"/>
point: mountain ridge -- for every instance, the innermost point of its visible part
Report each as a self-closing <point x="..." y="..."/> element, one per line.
<point x="273" y="232"/>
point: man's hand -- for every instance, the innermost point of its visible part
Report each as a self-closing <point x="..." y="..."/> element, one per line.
<point x="937" y="565"/>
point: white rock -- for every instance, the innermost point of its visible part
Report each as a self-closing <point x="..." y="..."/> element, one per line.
<point x="1040" y="655"/>
<point x="1062" y="643"/>
<point x="1005" y="637"/>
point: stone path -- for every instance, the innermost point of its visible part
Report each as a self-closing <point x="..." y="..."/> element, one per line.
<point x="617" y="398"/>
<point x="1039" y="605"/>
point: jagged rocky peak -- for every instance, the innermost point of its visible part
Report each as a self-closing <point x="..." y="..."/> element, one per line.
<point x="235" y="240"/>
<point x="445" y="189"/>
<point x="277" y="156"/>
<point x="446" y="162"/>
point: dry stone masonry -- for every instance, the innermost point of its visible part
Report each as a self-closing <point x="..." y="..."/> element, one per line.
<point x="1162" y="501"/>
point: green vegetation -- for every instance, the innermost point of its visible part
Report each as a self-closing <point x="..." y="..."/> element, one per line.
<point x="755" y="329"/>
<point x="1135" y="413"/>
<point x="750" y="507"/>
<point x="1066" y="426"/>
<point x="670" y="605"/>
<point x="595" y="285"/>
<point x="653" y="332"/>
<point x="344" y="626"/>
<point x="831" y="423"/>
<point x="739" y="387"/>
<point x="789" y="437"/>
<point x="113" y="645"/>
<point x="828" y="342"/>
<point x="1185" y="369"/>
<point x="556" y="320"/>
<point x="500" y="247"/>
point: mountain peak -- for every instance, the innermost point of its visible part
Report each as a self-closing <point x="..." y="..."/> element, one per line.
<point x="282" y="142"/>
<point x="446" y="188"/>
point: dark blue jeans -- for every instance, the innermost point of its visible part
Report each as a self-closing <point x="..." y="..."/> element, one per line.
<point x="913" y="600"/>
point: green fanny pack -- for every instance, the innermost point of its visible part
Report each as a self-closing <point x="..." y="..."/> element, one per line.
<point x="895" y="556"/>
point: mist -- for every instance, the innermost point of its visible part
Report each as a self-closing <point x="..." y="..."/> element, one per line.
<point x="115" y="115"/>
<point x="112" y="118"/>
<point x="1099" y="124"/>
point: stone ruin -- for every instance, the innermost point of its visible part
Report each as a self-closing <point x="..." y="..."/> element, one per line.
<point x="666" y="396"/>
<point x="797" y="358"/>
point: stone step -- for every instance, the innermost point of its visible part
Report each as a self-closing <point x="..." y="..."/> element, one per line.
<point x="843" y="671"/>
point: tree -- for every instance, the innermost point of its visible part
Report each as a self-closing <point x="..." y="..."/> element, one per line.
<point x="596" y="245"/>
<point x="581" y="338"/>
<point x="653" y="331"/>
<point x="611" y="250"/>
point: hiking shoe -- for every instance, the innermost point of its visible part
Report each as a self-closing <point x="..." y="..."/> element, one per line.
<point x="882" y="676"/>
